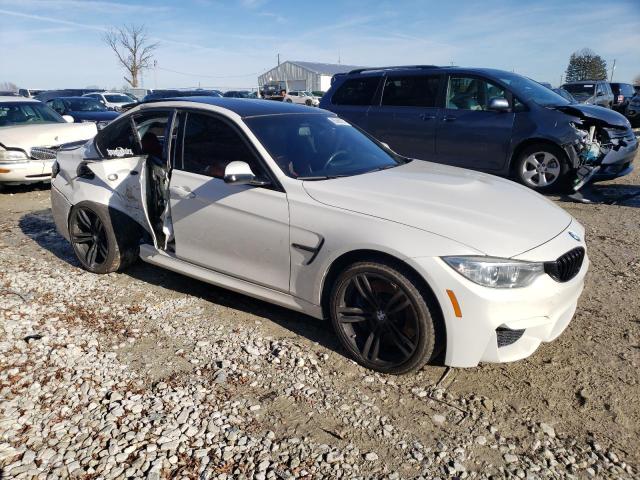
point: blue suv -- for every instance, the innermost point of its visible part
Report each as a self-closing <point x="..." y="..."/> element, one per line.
<point x="485" y="119"/>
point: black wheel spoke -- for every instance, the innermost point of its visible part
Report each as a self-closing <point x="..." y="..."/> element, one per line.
<point x="397" y="303"/>
<point x="102" y="248"/>
<point x="400" y="340"/>
<point x="363" y="286"/>
<point x="84" y="220"/>
<point x="82" y="237"/>
<point x="352" y="315"/>
<point x="371" y="347"/>
<point x="91" y="253"/>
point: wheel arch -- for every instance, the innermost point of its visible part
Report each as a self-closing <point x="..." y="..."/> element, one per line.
<point x="360" y="255"/>
<point x="120" y="216"/>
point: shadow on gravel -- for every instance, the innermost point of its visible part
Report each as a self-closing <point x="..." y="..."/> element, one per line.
<point x="621" y="195"/>
<point x="40" y="227"/>
<point x="34" y="187"/>
<point x="297" y="323"/>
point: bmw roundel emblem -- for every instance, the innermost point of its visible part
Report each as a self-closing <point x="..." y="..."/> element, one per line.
<point x="574" y="235"/>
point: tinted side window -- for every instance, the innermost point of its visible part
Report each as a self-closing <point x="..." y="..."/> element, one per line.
<point x="210" y="144"/>
<point x="470" y="93"/>
<point x="411" y="91"/>
<point x="118" y="140"/>
<point x="356" y="91"/>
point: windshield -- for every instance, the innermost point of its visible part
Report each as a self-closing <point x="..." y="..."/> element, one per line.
<point x="21" y="113"/>
<point x="316" y="147"/>
<point x="528" y="90"/>
<point x="119" y="98"/>
<point x="85" y="105"/>
<point x="580" y="89"/>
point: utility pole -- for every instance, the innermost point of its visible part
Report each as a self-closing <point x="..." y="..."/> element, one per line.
<point x="155" y="74"/>
<point x="278" y="59"/>
<point x="561" y="75"/>
<point x="612" y="70"/>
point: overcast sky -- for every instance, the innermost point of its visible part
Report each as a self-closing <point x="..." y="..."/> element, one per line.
<point x="226" y="44"/>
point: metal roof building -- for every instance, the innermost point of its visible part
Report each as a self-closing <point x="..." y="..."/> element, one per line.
<point x="304" y="75"/>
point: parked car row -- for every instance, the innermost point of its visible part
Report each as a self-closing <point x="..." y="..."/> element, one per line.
<point x="488" y="120"/>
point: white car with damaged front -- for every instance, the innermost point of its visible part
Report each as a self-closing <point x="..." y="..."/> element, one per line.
<point x="408" y="259"/>
<point x="30" y="134"/>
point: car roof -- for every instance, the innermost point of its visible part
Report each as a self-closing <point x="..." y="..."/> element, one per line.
<point x="578" y="82"/>
<point x="246" y="107"/>
<point x="75" y="97"/>
<point x="17" y="98"/>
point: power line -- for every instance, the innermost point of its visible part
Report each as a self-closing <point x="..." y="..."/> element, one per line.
<point x="208" y="76"/>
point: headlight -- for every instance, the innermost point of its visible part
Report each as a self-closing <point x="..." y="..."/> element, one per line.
<point x="496" y="272"/>
<point x="12" y="156"/>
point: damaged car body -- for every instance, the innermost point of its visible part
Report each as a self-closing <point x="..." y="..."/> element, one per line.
<point x="485" y="119"/>
<point x="295" y="206"/>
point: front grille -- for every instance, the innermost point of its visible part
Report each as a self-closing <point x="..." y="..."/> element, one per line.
<point x="567" y="266"/>
<point x="43" y="153"/>
<point x="506" y="336"/>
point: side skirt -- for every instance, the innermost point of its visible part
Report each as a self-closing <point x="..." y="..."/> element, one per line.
<point x="150" y="254"/>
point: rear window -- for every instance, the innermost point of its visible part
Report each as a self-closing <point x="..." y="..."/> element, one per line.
<point x="580" y="89"/>
<point x="625" y="89"/>
<point x="411" y="91"/>
<point x="356" y="91"/>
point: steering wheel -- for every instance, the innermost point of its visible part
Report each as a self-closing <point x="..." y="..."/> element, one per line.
<point x="333" y="157"/>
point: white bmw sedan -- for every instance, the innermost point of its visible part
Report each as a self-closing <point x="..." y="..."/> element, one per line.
<point x="408" y="259"/>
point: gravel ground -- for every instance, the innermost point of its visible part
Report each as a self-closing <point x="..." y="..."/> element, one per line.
<point x="147" y="373"/>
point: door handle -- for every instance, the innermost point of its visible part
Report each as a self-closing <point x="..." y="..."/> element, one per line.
<point x="449" y="118"/>
<point x="183" y="192"/>
<point x="425" y="116"/>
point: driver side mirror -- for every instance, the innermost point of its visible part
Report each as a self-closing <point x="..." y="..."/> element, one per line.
<point x="499" y="104"/>
<point x="68" y="118"/>
<point x="240" y="173"/>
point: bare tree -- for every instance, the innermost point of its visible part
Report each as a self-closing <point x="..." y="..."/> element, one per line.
<point x="133" y="49"/>
<point x="636" y="81"/>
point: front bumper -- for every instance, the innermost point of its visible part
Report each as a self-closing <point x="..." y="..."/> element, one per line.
<point x="537" y="313"/>
<point x="617" y="163"/>
<point x="29" y="171"/>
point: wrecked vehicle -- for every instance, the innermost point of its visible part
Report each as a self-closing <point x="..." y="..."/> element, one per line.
<point x="489" y="120"/>
<point x="295" y="206"/>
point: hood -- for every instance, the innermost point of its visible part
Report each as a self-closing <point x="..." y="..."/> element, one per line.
<point x="492" y="215"/>
<point x="96" y="116"/>
<point x="603" y="116"/>
<point x="45" y="135"/>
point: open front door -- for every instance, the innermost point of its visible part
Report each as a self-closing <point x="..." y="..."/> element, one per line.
<point x="126" y="179"/>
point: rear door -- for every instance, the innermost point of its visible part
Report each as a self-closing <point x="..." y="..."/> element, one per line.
<point x="239" y="230"/>
<point x="468" y="133"/>
<point x="407" y="114"/>
<point x="353" y="98"/>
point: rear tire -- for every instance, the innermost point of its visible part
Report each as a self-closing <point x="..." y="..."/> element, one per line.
<point x="104" y="240"/>
<point x="382" y="318"/>
<point x="543" y="168"/>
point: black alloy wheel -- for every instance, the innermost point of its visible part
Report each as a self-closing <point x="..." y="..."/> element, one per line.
<point x="89" y="238"/>
<point x="382" y="319"/>
<point x="103" y="239"/>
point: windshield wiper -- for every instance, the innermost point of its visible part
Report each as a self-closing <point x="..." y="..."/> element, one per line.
<point x="321" y="177"/>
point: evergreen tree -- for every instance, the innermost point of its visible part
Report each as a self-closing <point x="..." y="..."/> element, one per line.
<point x="586" y="65"/>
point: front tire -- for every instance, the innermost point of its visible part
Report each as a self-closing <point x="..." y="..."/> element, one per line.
<point x="382" y="319"/>
<point x="543" y="168"/>
<point x="92" y="231"/>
